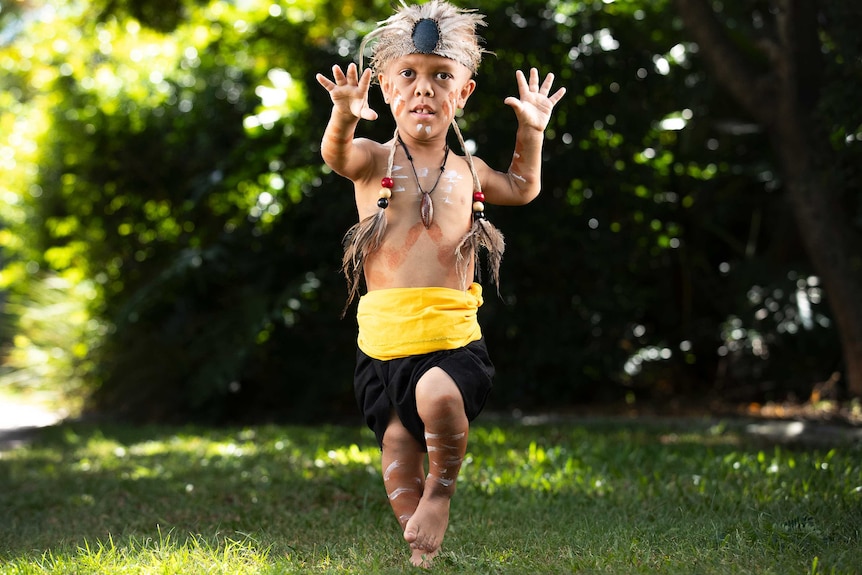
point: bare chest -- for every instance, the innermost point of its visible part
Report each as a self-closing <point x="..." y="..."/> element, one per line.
<point x="413" y="253"/>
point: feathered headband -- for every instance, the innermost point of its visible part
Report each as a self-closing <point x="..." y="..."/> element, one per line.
<point x="436" y="27"/>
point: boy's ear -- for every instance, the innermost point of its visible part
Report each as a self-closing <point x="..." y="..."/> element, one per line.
<point x="385" y="86"/>
<point x="464" y="93"/>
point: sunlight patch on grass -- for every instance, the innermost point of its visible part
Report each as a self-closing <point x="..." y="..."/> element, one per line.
<point x="351" y="455"/>
<point x="166" y="554"/>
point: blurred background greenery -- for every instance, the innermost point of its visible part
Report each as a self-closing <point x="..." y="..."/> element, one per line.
<point x="170" y="238"/>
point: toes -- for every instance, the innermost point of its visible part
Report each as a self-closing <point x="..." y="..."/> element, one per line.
<point x="425" y="545"/>
<point x="422" y="558"/>
<point x="418" y="559"/>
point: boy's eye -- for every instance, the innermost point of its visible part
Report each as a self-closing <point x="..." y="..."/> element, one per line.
<point x="407" y="73"/>
<point x="444" y="75"/>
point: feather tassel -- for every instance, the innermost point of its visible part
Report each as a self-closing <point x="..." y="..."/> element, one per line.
<point x="364" y="238"/>
<point x="482" y="237"/>
<point x="360" y="240"/>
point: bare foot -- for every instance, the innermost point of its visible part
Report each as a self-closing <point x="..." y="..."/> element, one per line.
<point x="425" y="530"/>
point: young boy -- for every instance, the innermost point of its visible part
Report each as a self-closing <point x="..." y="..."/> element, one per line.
<point x="423" y="372"/>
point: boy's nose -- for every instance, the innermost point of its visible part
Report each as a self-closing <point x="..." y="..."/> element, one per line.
<point x="424" y="89"/>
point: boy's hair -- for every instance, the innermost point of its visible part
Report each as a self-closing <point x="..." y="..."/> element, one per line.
<point x="436" y="27"/>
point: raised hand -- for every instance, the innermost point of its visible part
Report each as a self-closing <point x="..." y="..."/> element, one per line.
<point x="535" y="105"/>
<point x="349" y="92"/>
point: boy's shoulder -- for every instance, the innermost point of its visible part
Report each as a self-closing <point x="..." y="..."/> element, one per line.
<point x="377" y="156"/>
<point x="372" y="145"/>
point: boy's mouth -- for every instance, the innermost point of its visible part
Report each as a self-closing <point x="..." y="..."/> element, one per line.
<point x="423" y="111"/>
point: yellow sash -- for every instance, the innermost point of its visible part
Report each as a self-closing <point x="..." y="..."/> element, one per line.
<point x="398" y="322"/>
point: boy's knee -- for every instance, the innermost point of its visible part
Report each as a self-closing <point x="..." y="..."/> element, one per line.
<point x="438" y="396"/>
<point x="448" y="400"/>
<point x="396" y="433"/>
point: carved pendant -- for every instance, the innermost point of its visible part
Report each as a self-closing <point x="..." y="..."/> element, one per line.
<point x="426" y="210"/>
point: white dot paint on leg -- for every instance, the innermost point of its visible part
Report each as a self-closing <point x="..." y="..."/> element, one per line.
<point x="444" y="435"/>
<point x="392" y="467"/>
<point x="442" y="481"/>
<point x="396" y="493"/>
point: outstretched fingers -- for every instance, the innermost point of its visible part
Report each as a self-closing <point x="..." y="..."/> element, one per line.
<point x="349" y="91"/>
<point x="532" y="86"/>
<point x="523" y="85"/>
<point x="535" y="102"/>
<point x="546" y="90"/>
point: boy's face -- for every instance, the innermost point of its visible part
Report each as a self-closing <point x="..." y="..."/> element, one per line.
<point x="424" y="91"/>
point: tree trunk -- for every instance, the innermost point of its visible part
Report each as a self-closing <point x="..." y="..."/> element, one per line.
<point x="783" y="100"/>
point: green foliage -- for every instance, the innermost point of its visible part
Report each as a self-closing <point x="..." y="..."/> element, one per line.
<point x="182" y="202"/>
<point x="590" y="496"/>
<point x="662" y="212"/>
<point x="50" y="352"/>
<point x="163" y="158"/>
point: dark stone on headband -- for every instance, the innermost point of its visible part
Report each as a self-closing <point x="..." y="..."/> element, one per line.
<point x="426" y="36"/>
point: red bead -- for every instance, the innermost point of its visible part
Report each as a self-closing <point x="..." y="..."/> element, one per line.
<point x="478" y="196"/>
<point x="387" y="182"/>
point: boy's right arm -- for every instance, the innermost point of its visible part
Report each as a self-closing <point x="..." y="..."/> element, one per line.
<point x="347" y="156"/>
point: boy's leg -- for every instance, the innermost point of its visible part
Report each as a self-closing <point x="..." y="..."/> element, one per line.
<point x="403" y="465"/>
<point x="441" y="409"/>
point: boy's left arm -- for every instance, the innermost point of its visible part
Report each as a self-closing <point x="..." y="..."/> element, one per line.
<point x="522" y="182"/>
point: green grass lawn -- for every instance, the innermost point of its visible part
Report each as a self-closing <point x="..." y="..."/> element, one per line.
<point x="599" y="496"/>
